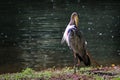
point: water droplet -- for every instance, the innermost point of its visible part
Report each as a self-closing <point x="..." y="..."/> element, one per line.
<point x="86" y="42"/>
<point x="29" y="18"/>
<point x="6" y="36"/>
<point x="89" y="29"/>
<point x="112" y="36"/>
<point x="100" y="34"/>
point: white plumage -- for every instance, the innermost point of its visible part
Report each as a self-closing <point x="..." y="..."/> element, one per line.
<point x="65" y="35"/>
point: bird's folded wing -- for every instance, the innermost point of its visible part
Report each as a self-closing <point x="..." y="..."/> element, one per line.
<point x="76" y="39"/>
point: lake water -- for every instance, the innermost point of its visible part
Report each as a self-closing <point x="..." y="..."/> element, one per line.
<point x="31" y="32"/>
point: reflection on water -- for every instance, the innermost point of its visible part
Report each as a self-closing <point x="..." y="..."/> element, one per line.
<point x="32" y="38"/>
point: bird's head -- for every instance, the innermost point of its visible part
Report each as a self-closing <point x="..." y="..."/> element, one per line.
<point x="74" y="19"/>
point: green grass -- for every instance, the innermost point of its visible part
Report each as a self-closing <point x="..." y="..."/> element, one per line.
<point x="66" y="73"/>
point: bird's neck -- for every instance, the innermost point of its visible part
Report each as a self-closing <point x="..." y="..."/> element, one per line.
<point x="72" y="22"/>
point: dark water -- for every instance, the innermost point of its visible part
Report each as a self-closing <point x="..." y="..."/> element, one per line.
<point x="30" y="33"/>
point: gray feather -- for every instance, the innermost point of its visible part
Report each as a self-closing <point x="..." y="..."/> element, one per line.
<point x="77" y="42"/>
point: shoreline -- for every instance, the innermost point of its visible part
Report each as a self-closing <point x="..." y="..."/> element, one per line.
<point x="92" y="73"/>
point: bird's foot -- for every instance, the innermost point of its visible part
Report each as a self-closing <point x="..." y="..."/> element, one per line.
<point x="74" y="69"/>
<point x="78" y="66"/>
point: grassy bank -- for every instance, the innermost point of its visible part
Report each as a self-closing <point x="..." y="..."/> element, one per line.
<point x="67" y="73"/>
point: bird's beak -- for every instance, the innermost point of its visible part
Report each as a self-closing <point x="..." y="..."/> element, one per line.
<point x="76" y="20"/>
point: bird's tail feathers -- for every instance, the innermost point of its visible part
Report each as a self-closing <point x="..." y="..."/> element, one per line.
<point x="85" y="59"/>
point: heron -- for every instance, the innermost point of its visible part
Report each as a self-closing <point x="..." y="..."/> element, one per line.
<point x="76" y="41"/>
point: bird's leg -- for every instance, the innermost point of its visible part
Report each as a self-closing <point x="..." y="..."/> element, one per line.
<point x="78" y="60"/>
<point x="75" y="62"/>
<point x="78" y="63"/>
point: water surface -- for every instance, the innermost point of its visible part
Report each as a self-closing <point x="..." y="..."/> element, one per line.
<point x="30" y="33"/>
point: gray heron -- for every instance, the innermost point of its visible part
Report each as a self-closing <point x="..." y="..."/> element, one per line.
<point x="76" y="41"/>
